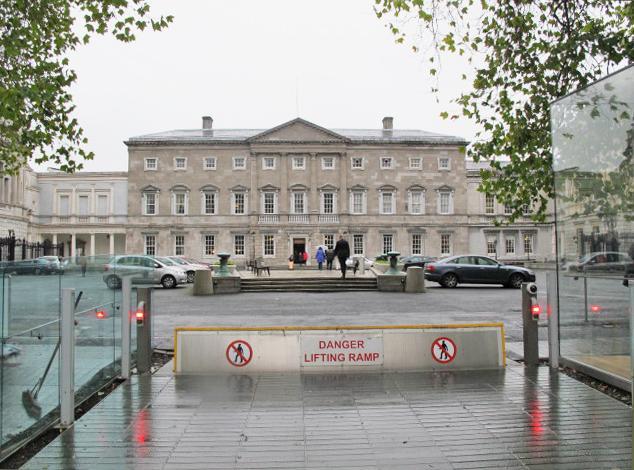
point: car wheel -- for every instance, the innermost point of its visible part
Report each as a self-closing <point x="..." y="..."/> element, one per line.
<point x="113" y="282"/>
<point x="515" y="281"/>
<point x="168" y="282"/>
<point x="190" y="276"/>
<point x="449" y="280"/>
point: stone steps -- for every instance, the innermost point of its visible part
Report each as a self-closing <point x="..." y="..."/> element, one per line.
<point x="315" y="284"/>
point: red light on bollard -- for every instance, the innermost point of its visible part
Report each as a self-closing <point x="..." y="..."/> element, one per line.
<point x="100" y="314"/>
<point x="595" y="308"/>
<point x="536" y="310"/>
<point x="140" y="316"/>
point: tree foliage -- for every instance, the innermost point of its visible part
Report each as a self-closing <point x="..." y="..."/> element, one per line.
<point x="523" y="55"/>
<point x="36" y="106"/>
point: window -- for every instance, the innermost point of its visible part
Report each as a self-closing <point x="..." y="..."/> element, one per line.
<point x="356" y="163"/>
<point x="443" y="163"/>
<point x="299" y="206"/>
<point x="510" y="246"/>
<point x="209" y="163"/>
<point x="150" y="245"/>
<point x="179" y="245"/>
<point x="386" y="163"/>
<point x="83" y="208"/>
<point x="268" y="203"/>
<point x="387" y="202"/>
<point x="358" y="202"/>
<point x="150" y="203"/>
<point x="492" y="246"/>
<point x="238" y="245"/>
<point x="417" y="244"/>
<point x="180" y="163"/>
<point x="445" y="243"/>
<point x="239" y="163"/>
<point x="299" y="163"/>
<point x="209" y="248"/>
<point x="508" y="209"/>
<point x="64" y="204"/>
<point x="268" y="163"/>
<point x="388" y="242"/>
<point x="327" y="163"/>
<point x="269" y="245"/>
<point x="179" y="203"/>
<point x="415" y="163"/>
<point x="489" y="204"/>
<point x="239" y="203"/>
<point x="151" y="164"/>
<point x="526" y="209"/>
<point x="102" y="204"/>
<point x="209" y="202"/>
<point x="327" y="203"/>
<point x="416" y="202"/>
<point x="357" y="244"/>
<point x="528" y="244"/>
<point x="329" y="241"/>
<point x="445" y="204"/>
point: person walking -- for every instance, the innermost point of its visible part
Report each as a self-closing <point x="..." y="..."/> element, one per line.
<point x="320" y="256"/>
<point x="342" y="252"/>
<point x="330" y="256"/>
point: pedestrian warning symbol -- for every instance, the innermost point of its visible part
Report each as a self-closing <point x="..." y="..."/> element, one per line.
<point x="443" y="350"/>
<point x="239" y="353"/>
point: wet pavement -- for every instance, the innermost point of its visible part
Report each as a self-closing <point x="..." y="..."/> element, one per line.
<point x="512" y="418"/>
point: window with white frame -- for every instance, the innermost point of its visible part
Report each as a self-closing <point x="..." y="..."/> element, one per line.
<point x="529" y="242"/>
<point x="416" y="202"/>
<point x="357" y="244"/>
<point x="103" y="206"/>
<point x="492" y="246"/>
<point x="238" y="203"/>
<point x="387" y="163"/>
<point x="269" y="202"/>
<point x="180" y="163"/>
<point x="509" y="244"/>
<point x="386" y="202"/>
<point x="268" y="163"/>
<point x="299" y="163"/>
<point x="388" y="242"/>
<point x="328" y="202"/>
<point x="150" y="164"/>
<point x="269" y="245"/>
<point x="209" y="245"/>
<point x="445" y="202"/>
<point x="508" y="209"/>
<point x="489" y="204"/>
<point x="356" y="163"/>
<point x="179" y="245"/>
<point x="299" y="203"/>
<point x="149" y="245"/>
<point x="526" y="209"/>
<point x="239" y="163"/>
<point x="209" y="202"/>
<point x="209" y="163"/>
<point x="415" y="163"/>
<point x="443" y="163"/>
<point x="63" y="205"/>
<point x="417" y="243"/>
<point x="238" y="245"/>
<point x="445" y="243"/>
<point x="150" y="203"/>
<point x="327" y="163"/>
<point x="329" y="241"/>
<point x="179" y="203"/>
<point x="358" y="202"/>
<point x="83" y="204"/>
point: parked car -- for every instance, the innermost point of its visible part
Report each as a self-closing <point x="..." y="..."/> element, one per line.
<point x="474" y="269"/>
<point x="188" y="266"/>
<point x="350" y="261"/>
<point x="603" y="261"/>
<point x="29" y="266"/>
<point x="143" y="270"/>
<point x="54" y="262"/>
<point x="416" y="260"/>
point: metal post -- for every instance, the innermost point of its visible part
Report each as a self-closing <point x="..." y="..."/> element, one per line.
<point x="631" y="288"/>
<point x="585" y="298"/>
<point x="126" y="308"/>
<point x="6" y="306"/>
<point x="67" y="359"/>
<point x="531" y="345"/>
<point x="552" y="301"/>
<point x="144" y="331"/>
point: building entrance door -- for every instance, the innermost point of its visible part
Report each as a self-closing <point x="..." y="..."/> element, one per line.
<point x="299" y="247"/>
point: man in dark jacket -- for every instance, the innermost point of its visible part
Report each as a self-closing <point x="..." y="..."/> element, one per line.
<point x="342" y="252"/>
<point x="330" y="256"/>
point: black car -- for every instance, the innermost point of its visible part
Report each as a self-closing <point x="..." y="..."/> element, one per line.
<point x="29" y="266"/>
<point x="416" y="260"/>
<point x="475" y="269"/>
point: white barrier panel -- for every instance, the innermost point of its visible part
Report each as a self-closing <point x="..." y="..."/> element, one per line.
<point x="349" y="348"/>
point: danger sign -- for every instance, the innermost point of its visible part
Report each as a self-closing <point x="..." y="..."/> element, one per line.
<point x="443" y="350"/>
<point x="333" y="350"/>
<point x="239" y="353"/>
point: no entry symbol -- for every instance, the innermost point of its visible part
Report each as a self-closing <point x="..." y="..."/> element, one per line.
<point x="239" y="353"/>
<point x="443" y="350"/>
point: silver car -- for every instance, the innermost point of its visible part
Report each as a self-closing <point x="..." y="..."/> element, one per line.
<point x="143" y="270"/>
<point x="190" y="267"/>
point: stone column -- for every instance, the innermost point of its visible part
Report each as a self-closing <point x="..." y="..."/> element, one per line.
<point x="73" y="245"/>
<point x="342" y="197"/>
<point x="92" y="244"/>
<point x="111" y="236"/>
<point x="313" y="195"/>
<point x="284" y="203"/>
<point x="54" y="239"/>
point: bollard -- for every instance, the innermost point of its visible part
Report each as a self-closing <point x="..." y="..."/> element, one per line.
<point x="67" y="359"/>
<point x="415" y="281"/>
<point x="552" y="311"/>
<point x="362" y="265"/>
<point x="126" y="311"/>
<point x="203" y="284"/>
<point x="529" y="323"/>
<point x="143" y="316"/>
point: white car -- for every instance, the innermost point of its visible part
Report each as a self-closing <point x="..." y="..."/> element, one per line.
<point x="188" y="266"/>
<point x="350" y="261"/>
<point x="144" y="270"/>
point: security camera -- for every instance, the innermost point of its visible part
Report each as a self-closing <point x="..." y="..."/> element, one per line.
<point x="531" y="288"/>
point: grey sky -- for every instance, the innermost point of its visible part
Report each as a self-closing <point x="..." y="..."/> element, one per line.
<point x="241" y="61"/>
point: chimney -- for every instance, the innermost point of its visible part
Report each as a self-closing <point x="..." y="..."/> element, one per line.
<point x="207" y="123"/>
<point x="388" y="123"/>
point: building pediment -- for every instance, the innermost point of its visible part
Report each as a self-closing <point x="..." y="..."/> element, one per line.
<point x="416" y="187"/>
<point x="179" y="187"/>
<point x="150" y="189"/>
<point x="387" y="187"/>
<point x="444" y="188"/>
<point x="328" y="187"/>
<point x="239" y="189"/>
<point x="269" y="187"/>
<point x="298" y="130"/>
<point x="358" y="187"/>
<point x="209" y="187"/>
<point x="298" y="187"/>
